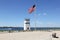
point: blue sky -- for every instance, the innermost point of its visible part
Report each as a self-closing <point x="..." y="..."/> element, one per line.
<point x="13" y="12"/>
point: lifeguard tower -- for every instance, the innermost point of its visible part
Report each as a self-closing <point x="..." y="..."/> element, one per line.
<point x="27" y="24"/>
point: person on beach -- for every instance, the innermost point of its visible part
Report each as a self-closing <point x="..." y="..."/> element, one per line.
<point x="54" y="35"/>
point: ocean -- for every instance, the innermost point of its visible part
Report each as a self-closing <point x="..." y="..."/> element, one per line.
<point x="32" y="28"/>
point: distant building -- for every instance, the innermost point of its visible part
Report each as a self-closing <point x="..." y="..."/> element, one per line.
<point x="27" y="24"/>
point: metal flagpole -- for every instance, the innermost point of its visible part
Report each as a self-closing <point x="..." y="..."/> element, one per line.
<point x="35" y="21"/>
<point x="35" y="15"/>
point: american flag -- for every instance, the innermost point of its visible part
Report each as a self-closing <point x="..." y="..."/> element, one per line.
<point x="31" y="9"/>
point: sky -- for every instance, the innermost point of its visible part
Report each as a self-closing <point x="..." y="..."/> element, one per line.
<point x="14" y="12"/>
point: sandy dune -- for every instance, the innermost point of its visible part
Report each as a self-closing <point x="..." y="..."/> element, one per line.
<point x="35" y="35"/>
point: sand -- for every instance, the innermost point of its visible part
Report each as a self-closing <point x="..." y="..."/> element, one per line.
<point x="35" y="35"/>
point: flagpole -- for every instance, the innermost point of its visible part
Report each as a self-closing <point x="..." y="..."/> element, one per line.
<point x="35" y="20"/>
<point x="35" y="16"/>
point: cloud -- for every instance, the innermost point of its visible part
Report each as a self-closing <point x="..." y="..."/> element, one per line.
<point x="39" y="22"/>
<point x="44" y="13"/>
<point x="39" y="14"/>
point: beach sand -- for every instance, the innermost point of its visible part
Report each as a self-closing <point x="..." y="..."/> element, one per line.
<point x="32" y="35"/>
